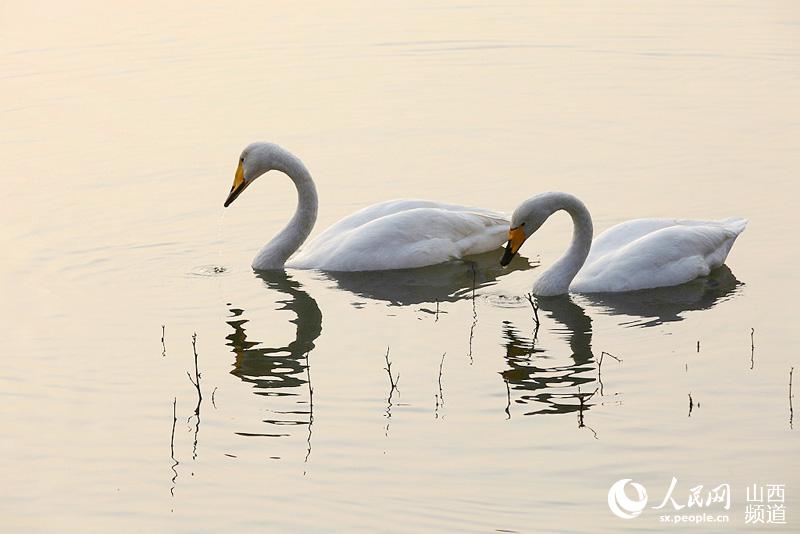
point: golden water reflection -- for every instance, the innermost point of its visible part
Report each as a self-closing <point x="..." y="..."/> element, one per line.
<point x="542" y="377"/>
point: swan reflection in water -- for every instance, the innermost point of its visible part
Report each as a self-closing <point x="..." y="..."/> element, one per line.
<point x="652" y="307"/>
<point x="553" y="388"/>
<point x="279" y="371"/>
<point x="446" y="282"/>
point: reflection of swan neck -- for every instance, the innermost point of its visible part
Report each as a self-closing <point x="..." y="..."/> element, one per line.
<point x="556" y="279"/>
<point x="309" y="316"/>
<point x="578" y="325"/>
<point x="275" y="253"/>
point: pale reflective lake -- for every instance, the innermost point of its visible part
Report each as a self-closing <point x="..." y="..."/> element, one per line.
<point x="121" y="129"/>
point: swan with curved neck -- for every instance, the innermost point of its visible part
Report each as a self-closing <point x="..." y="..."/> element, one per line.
<point x="397" y="234"/>
<point x="637" y="254"/>
<point x="258" y="159"/>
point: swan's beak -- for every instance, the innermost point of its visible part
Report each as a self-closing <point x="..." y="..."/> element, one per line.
<point x="516" y="237"/>
<point x="239" y="185"/>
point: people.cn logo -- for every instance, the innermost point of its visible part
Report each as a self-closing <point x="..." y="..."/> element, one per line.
<point x="621" y="505"/>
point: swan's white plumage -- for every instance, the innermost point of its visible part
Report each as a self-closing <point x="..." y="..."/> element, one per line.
<point x="397" y="234"/>
<point x="401" y="234"/>
<point x="648" y="253"/>
<point x="637" y="254"/>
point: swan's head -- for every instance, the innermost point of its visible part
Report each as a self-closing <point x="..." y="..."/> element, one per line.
<point x="526" y="219"/>
<point x="256" y="159"/>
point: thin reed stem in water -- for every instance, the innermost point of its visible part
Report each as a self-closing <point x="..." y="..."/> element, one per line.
<point x="440" y="396"/>
<point x="393" y="387"/>
<point x="196" y="384"/>
<point x="599" y="368"/>
<point x="791" y="408"/>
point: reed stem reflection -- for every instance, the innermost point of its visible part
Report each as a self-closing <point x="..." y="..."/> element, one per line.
<point x="175" y="461"/>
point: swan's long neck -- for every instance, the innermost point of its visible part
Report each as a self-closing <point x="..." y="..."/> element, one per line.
<point x="274" y="254"/>
<point x="556" y="279"/>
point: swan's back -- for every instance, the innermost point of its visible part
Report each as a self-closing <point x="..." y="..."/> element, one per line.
<point x="648" y="253"/>
<point x="402" y="234"/>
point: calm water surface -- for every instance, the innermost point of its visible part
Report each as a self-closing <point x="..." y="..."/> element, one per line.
<point x="121" y="126"/>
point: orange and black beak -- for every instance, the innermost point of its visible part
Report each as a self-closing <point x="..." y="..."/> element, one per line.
<point x="516" y="237"/>
<point x="239" y="185"/>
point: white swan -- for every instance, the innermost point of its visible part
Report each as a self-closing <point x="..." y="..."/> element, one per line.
<point x="398" y="234"/>
<point x="637" y="254"/>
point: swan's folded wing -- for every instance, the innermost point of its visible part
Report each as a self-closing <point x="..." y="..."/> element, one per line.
<point x="388" y="208"/>
<point x="625" y="233"/>
<point x="668" y="256"/>
<point x="405" y="238"/>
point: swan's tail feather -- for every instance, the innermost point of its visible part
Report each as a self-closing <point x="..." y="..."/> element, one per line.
<point x="735" y="224"/>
